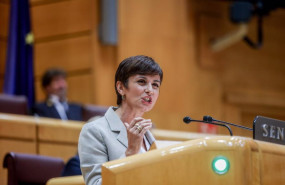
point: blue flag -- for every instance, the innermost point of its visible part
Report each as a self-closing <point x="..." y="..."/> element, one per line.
<point x="19" y="72"/>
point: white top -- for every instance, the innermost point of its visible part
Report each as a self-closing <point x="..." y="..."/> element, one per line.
<point x="61" y="107"/>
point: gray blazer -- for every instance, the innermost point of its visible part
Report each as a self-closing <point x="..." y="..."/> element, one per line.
<point x="100" y="141"/>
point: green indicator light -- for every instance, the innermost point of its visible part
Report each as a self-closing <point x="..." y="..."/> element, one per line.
<point x="221" y="165"/>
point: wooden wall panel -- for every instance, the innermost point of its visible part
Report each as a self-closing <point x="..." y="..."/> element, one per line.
<point x="252" y="80"/>
<point x="80" y="88"/>
<point x="245" y="67"/>
<point x="4" y="18"/>
<point x="18" y="130"/>
<point x="40" y="96"/>
<point x="70" y="54"/>
<point x="249" y="115"/>
<point x="52" y="141"/>
<point x="58" y="150"/>
<point x="168" y="36"/>
<point x="52" y="132"/>
<point x="62" y="17"/>
<point x="193" y="88"/>
<point x="63" y="39"/>
<point x="104" y="66"/>
<point x="4" y="27"/>
<point x="250" y="70"/>
<point x="23" y="127"/>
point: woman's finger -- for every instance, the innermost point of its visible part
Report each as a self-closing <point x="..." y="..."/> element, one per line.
<point x="139" y="126"/>
<point x="126" y="125"/>
<point x="144" y="123"/>
<point x="135" y="120"/>
<point x="143" y="131"/>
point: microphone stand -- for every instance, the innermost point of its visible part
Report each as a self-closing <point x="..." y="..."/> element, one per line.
<point x="188" y="120"/>
<point x="209" y="119"/>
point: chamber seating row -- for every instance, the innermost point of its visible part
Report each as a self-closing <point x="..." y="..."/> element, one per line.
<point x="19" y="105"/>
<point x="31" y="169"/>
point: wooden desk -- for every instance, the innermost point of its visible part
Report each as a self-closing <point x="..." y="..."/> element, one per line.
<point x="58" y="138"/>
<point x="44" y="136"/>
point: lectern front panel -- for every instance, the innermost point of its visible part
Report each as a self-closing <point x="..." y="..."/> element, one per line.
<point x="212" y="160"/>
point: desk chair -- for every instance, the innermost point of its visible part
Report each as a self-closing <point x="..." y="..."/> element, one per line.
<point x="89" y="111"/>
<point x="13" y="104"/>
<point x="31" y="169"/>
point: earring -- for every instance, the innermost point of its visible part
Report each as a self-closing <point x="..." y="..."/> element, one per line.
<point x="123" y="97"/>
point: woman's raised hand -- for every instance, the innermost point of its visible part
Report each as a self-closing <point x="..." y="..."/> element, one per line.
<point x="136" y="130"/>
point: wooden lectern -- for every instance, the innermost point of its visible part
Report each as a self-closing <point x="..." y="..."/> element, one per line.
<point x="191" y="162"/>
<point x="211" y="160"/>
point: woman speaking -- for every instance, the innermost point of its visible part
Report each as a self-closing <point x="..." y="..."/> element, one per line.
<point x="122" y="131"/>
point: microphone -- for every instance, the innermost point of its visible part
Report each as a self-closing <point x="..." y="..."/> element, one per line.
<point x="209" y="119"/>
<point x="187" y="120"/>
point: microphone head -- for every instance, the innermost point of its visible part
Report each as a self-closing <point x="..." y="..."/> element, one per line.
<point x="208" y="119"/>
<point x="187" y="119"/>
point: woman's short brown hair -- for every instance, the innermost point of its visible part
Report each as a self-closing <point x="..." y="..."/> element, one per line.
<point x="134" y="65"/>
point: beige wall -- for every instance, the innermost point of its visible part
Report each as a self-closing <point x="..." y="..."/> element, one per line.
<point x="228" y="84"/>
<point x="234" y="84"/>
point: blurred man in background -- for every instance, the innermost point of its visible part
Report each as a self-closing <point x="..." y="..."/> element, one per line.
<point x="56" y="105"/>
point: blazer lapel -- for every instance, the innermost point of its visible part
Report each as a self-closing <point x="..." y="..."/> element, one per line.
<point x="117" y="126"/>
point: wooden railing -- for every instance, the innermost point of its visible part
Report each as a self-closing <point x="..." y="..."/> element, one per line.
<point x="43" y="136"/>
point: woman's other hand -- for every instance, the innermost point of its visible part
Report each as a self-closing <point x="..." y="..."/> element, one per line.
<point x="136" y="130"/>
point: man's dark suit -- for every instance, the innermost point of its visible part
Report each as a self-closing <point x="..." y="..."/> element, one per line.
<point x="47" y="109"/>
<point x="72" y="167"/>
